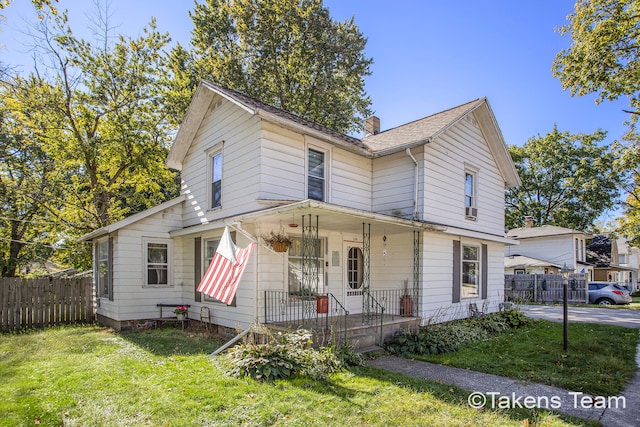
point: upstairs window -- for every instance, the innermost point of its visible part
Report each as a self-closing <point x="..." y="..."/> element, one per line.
<point x="469" y="190"/>
<point x="216" y="181"/>
<point x="316" y="175"/>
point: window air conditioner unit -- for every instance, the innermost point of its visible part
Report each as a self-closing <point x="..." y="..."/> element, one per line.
<point x="471" y="212"/>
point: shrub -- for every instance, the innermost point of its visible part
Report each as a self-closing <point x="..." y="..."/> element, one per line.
<point x="448" y="337"/>
<point x="290" y="355"/>
<point x="436" y="339"/>
<point x="347" y="355"/>
<point x="514" y="318"/>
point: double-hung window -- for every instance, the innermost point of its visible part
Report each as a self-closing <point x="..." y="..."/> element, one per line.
<point x="102" y="268"/>
<point x="216" y="181"/>
<point x="470" y="271"/>
<point x="299" y="278"/>
<point x="469" y="190"/>
<point x="157" y="263"/>
<point x="316" y="182"/>
<point x="470" y="194"/>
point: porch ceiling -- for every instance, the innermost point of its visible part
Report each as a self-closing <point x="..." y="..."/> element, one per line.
<point x="333" y="217"/>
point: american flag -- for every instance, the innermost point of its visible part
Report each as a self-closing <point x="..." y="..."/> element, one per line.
<point x="226" y="269"/>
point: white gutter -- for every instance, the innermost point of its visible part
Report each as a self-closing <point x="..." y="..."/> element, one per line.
<point x="415" y="184"/>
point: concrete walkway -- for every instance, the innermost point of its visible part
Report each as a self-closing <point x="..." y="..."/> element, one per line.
<point x="493" y="391"/>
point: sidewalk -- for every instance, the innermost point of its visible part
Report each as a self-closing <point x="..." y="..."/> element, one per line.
<point x="490" y="391"/>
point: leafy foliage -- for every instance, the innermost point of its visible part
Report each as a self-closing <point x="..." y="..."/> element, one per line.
<point x="287" y="53"/>
<point x="604" y="56"/>
<point x="291" y="355"/>
<point x="448" y="337"/>
<point x="96" y="116"/>
<point x="567" y="180"/>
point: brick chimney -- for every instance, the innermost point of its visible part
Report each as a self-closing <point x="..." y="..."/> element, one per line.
<point x="371" y="125"/>
<point x="528" y="221"/>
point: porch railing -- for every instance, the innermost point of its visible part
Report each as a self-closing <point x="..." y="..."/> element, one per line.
<point x="396" y="302"/>
<point x="314" y="312"/>
<point x="372" y="311"/>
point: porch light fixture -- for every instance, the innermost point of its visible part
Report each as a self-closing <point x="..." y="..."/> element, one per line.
<point x="565" y="271"/>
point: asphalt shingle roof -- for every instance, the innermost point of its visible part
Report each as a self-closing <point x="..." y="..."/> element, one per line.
<point x="418" y="130"/>
<point x="254" y="104"/>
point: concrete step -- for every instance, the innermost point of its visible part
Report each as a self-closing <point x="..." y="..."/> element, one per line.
<point x="362" y="340"/>
<point x="371" y="351"/>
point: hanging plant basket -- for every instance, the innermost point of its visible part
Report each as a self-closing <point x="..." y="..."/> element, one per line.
<point x="280" y="246"/>
<point x="279" y="242"/>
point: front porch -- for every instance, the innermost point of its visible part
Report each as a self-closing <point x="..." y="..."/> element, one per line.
<point x="383" y="313"/>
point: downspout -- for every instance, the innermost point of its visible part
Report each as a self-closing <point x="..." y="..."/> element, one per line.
<point x="415" y="196"/>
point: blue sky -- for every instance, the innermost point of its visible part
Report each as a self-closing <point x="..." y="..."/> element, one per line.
<point x="428" y="56"/>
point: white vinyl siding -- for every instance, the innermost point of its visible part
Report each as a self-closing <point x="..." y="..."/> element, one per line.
<point x="447" y="158"/>
<point x="393" y="184"/>
<point x="240" y="132"/>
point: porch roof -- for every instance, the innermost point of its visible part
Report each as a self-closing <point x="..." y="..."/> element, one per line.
<point x="334" y="217"/>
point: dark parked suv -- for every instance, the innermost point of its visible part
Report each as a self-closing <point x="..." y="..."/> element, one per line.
<point x="608" y="293"/>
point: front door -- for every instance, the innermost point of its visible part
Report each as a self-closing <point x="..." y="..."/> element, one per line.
<point x="353" y="276"/>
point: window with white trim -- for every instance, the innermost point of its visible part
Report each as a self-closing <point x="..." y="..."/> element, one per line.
<point x="316" y="182"/>
<point x="156" y="268"/>
<point x="102" y="268"/>
<point x="470" y="283"/>
<point x="469" y="189"/>
<point x="295" y="270"/>
<point x="215" y="181"/>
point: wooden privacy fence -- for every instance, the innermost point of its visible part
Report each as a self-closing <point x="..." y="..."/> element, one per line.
<point x="545" y="288"/>
<point x="29" y="303"/>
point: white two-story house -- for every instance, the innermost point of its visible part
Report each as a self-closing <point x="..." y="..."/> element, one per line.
<point x="405" y="222"/>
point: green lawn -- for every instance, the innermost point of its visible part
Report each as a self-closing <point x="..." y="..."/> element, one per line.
<point x="90" y="376"/>
<point x="600" y="359"/>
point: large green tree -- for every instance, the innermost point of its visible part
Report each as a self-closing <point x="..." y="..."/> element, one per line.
<point x="567" y="180"/>
<point x="287" y="53"/>
<point x="105" y="128"/>
<point x="27" y="176"/>
<point x="604" y="56"/>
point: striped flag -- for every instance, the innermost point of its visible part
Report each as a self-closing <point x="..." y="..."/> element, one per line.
<point x="226" y="269"/>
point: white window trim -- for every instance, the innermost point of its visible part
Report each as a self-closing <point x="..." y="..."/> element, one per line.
<point x="99" y="284"/>
<point x="210" y="154"/>
<point x="478" y="279"/>
<point x="327" y="170"/>
<point x="470" y="169"/>
<point x="145" y="271"/>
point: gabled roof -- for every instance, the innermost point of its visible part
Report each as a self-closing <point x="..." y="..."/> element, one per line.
<point x="427" y="129"/>
<point x="543" y="231"/>
<point x="522" y="261"/>
<point x="205" y="94"/>
<point x="396" y="139"/>
<point x="419" y="131"/>
<point x="131" y="219"/>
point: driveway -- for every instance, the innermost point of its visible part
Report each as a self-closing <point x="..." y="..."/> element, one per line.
<point x="626" y="318"/>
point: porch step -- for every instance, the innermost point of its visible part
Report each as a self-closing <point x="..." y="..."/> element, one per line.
<point x="371" y="351"/>
<point x="362" y="340"/>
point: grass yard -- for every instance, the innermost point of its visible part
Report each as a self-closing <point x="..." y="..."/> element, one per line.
<point x="600" y="360"/>
<point x="91" y="376"/>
